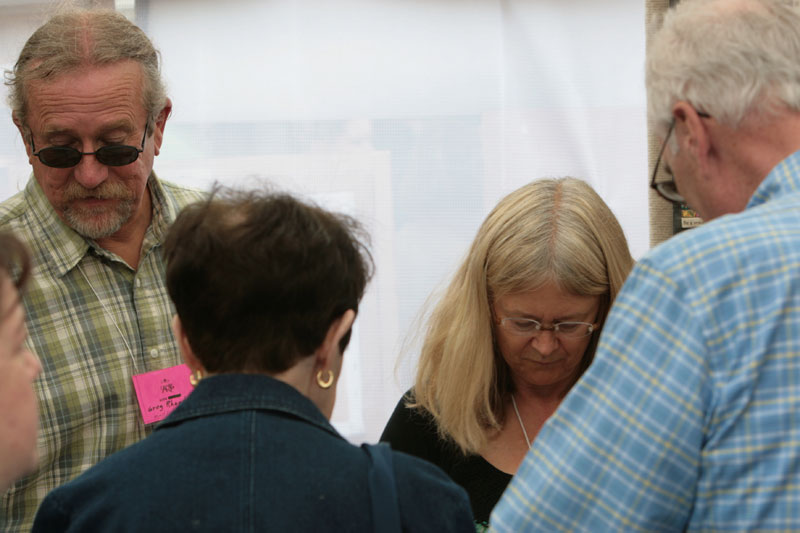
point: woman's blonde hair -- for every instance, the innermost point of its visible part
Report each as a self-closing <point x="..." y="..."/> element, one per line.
<point x="550" y="230"/>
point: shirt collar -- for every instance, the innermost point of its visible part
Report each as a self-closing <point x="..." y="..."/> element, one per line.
<point x="66" y="248"/>
<point x="224" y="393"/>
<point x="782" y="180"/>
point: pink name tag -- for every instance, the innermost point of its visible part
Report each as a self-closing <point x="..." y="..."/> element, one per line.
<point x="160" y="391"/>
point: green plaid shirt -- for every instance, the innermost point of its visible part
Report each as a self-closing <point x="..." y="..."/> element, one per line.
<point x="94" y="322"/>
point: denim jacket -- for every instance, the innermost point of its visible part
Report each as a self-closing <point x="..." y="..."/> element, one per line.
<point x="247" y="453"/>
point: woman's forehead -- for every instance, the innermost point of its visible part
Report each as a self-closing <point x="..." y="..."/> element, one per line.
<point x="548" y="300"/>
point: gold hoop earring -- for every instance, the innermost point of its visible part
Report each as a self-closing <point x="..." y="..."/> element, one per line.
<point x="195" y="377"/>
<point x="325" y="384"/>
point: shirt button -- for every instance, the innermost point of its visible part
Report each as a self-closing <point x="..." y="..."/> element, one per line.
<point x="138" y="283"/>
<point x="154" y="353"/>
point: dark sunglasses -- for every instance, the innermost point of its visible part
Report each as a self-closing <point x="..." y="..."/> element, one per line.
<point x="65" y="157"/>
<point x="667" y="189"/>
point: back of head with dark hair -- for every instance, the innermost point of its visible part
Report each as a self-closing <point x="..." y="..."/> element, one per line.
<point x="257" y="278"/>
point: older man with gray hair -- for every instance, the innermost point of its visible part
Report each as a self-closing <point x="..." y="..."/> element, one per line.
<point x="689" y="417"/>
<point x="87" y="97"/>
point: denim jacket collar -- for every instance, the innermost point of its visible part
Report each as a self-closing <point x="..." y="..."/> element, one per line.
<point x="225" y="393"/>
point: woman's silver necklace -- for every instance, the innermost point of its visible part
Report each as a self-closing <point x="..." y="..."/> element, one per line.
<point x="524" y="433"/>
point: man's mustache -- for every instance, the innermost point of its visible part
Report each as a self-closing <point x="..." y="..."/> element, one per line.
<point x="104" y="191"/>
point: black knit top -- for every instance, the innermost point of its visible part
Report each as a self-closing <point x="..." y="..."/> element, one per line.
<point x="414" y="432"/>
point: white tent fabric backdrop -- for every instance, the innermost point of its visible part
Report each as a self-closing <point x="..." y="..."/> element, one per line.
<point x="414" y="116"/>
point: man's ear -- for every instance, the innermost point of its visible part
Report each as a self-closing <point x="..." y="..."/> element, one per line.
<point x="187" y="352"/>
<point x="330" y="345"/>
<point x="161" y="123"/>
<point x="691" y="131"/>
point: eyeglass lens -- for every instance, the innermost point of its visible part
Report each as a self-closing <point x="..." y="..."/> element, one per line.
<point x="65" y="156"/>
<point x="668" y="190"/>
<point x="528" y="326"/>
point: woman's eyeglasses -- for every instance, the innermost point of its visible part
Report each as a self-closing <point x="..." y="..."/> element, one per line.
<point x="528" y="327"/>
<point x="64" y="156"/>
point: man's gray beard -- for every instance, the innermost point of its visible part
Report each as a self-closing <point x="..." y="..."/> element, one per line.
<point x="98" y="223"/>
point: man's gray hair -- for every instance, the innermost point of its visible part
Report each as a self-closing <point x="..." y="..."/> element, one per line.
<point x="726" y="58"/>
<point x="77" y="37"/>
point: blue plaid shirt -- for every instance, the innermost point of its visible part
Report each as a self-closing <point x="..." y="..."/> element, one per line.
<point x="689" y="418"/>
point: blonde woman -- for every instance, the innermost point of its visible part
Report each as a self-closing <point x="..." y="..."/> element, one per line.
<point x="515" y="329"/>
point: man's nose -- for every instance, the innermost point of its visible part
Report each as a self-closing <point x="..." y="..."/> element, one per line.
<point x="90" y="172"/>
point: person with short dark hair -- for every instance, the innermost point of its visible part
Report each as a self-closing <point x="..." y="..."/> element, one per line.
<point x="266" y="289"/>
